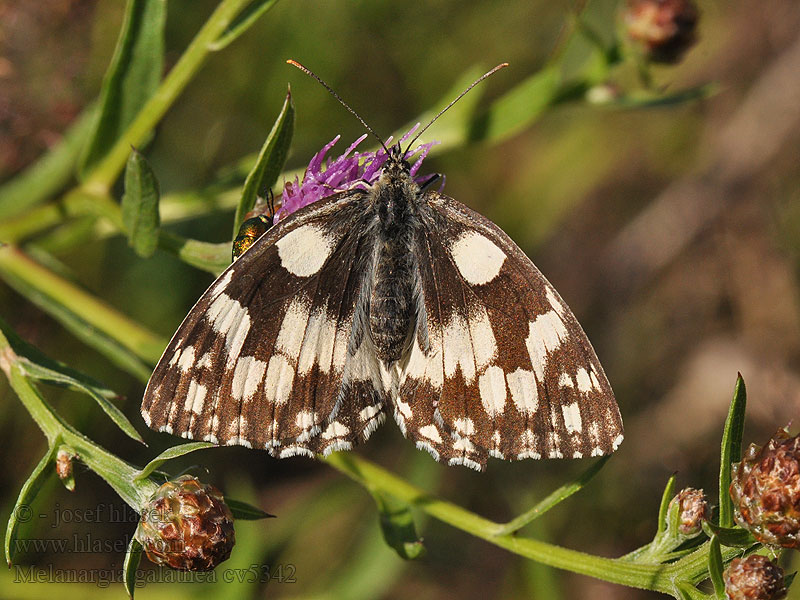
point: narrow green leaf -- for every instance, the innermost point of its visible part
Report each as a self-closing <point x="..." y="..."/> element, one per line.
<point x="715" y="568"/>
<point x="22" y="511"/>
<point x="731" y="450"/>
<point x="213" y="258"/>
<point x="553" y="499"/>
<point x="788" y="579"/>
<point x="132" y="558"/>
<point x="397" y="525"/>
<point x="242" y="22"/>
<point x="519" y="107"/>
<point x="37" y="365"/>
<point x="96" y="323"/>
<point x="169" y="454"/>
<point x="666" y="497"/>
<point x="269" y="163"/>
<point x="246" y="512"/>
<point x="734" y="537"/>
<point x="140" y="205"/>
<point x="131" y="79"/>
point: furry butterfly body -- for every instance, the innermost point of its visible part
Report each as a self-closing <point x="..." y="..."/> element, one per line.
<point x="386" y="300"/>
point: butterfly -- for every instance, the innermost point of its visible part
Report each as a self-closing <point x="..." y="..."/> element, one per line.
<point x="389" y="298"/>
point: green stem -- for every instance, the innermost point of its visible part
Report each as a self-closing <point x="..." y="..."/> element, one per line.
<point x="373" y="477"/>
<point x="117" y="473"/>
<point x="103" y="176"/>
<point x="50" y="289"/>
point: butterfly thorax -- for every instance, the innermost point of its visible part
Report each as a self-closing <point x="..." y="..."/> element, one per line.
<point x="393" y="308"/>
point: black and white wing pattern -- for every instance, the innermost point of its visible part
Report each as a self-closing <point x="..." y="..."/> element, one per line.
<point x="500" y="366"/>
<point x="271" y="356"/>
<point x="386" y="299"/>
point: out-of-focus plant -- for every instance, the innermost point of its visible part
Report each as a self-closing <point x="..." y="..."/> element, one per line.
<point x="193" y="526"/>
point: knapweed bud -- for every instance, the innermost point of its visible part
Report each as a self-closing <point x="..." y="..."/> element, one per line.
<point x="693" y="507"/>
<point x="754" y="578"/>
<point x="664" y="28"/>
<point x="765" y="490"/>
<point x="186" y="525"/>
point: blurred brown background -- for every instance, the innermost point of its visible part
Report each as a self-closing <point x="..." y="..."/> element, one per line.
<point x="673" y="233"/>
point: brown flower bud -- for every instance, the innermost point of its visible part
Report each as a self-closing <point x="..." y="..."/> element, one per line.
<point x="664" y="28"/>
<point x="186" y="525"/>
<point x="64" y="468"/>
<point x="765" y="490"/>
<point x="754" y="578"/>
<point x="694" y="509"/>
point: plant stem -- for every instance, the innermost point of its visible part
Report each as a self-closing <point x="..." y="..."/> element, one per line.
<point x="106" y="172"/>
<point x="373" y="477"/>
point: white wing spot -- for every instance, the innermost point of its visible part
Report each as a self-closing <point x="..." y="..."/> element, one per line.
<point x="545" y="334"/>
<point x="477" y="258"/>
<point x="205" y="361"/>
<point x="524" y="392"/>
<point x="584" y="381"/>
<point x="572" y="417"/>
<point x="304" y="250"/>
<point x="566" y="381"/>
<point x="617" y="441"/>
<point x="464" y="426"/>
<point x="457" y="348"/>
<point x="305" y="419"/>
<point x="280" y="376"/>
<point x="555" y="301"/>
<point x="335" y="430"/>
<point x="528" y="441"/>
<point x="318" y="344"/>
<point x="431" y="432"/>
<point x="492" y="385"/>
<point x="247" y="377"/>
<point x="186" y="361"/>
<point x="293" y="328"/>
<point x="368" y="412"/>
<point x="484" y="345"/>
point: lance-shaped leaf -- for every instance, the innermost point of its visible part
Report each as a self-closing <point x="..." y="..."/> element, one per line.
<point x="397" y="525"/>
<point x="553" y="499"/>
<point x="169" y="454"/>
<point x="731" y="450"/>
<point x="140" y="205"/>
<point x="131" y="78"/>
<point x="132" y="558"/>
<point x="269" y="163"/>
<point x="715" y="568"/>
<point x="666" y="497"/>
<point x="242" y="22"/>
<point x="22" y="512"/>
<point x="246" y="512"/>
<point x="37" y="365"/>
<point x="734" y="537"/>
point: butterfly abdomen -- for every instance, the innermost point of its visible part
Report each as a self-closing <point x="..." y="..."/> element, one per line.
<point x="392" y="301"/>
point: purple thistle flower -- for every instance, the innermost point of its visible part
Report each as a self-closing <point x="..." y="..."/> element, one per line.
<point x="351" y="170"/>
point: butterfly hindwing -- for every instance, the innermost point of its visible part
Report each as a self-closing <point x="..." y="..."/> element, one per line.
<point x="271" y="356"/>
<point x="504" y="369"/>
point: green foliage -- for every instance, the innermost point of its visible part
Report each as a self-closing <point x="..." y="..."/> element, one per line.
<point x="140" y="205"/>
<point x="731" y="451"/>
<point x="269" y="163"/>
<point x="131" y="79"/>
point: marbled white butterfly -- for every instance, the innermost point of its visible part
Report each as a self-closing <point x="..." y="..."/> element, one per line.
<point x="394" y="298"/>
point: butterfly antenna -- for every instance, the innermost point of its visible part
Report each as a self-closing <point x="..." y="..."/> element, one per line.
<point x="313" y="75"/>
<point x="446" y="108"/>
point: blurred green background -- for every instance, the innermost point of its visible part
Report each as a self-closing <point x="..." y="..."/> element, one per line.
<point x="672" y="232"/>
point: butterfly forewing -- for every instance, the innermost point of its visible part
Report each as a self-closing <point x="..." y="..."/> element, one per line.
<point x="262" y="359"/>
<point x="509" y="369"/>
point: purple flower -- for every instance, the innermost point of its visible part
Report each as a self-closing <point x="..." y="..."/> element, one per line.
<point x="349" y="171"/>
